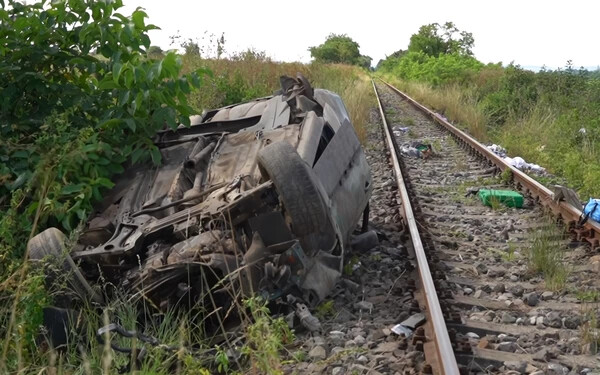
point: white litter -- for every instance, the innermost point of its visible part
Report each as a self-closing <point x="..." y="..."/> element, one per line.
<point x="517" y="162"/>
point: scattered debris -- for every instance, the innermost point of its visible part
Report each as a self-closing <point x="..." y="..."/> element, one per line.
<point x="308" y="320"/>
<point x="592" y="210"/>
<point x="441" y="117"/>
<point x="507" y="197"/>
<point x="517" y="162"/>
<point x="417" y="150"/>
<point x="567" y="194"/>
<point x="398" y="130"/>
<point x="408" y="326"/>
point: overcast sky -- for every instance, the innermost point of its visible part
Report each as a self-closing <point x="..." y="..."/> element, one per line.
<point x="530" y="33"/>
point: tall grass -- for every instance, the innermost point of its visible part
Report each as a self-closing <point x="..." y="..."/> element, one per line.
<point x="546" y="255"/>
<point x="250" y="77"/>
<point x="456" y="104"/>
<point x="543" y="134"/>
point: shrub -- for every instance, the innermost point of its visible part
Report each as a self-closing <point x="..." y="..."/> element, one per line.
<point x="79" y="99"/>
<point x="446" y="68"/>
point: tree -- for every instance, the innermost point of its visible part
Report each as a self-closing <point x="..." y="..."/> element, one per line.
<point x="435" y="39"/>
<point x="340" y="49"/>
<point x="390" y="61"/>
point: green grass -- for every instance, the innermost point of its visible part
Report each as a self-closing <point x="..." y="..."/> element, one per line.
<point x="409" y="121"/>
<point x="546" y="256"/>
<point x="510" y="254"/>
<point x="588" y="295"/>
<point x="325" y="310"/>
<point x="506" y="176"/>
<point x="262" y="351"/>
<point x="495" y="203"/>
<point x="348" y="267"/>
<point x="589" y="331"/>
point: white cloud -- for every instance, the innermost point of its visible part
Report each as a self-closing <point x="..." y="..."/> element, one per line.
<point x="529" y="33"/>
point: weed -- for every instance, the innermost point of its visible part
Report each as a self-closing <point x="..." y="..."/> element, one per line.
<point x="409" y="121"/>
<point x="457" y="234"/>
<point x="588" y="295"/>
<point x="546" y="256"/>
<point x="495" y="203"/>
<point x="459" y="166"/>
<point x="343" y="354"/>
<point x="590" y="330"/>
<point x="299" y="356"/>
<point x="509" y="254"/>
<point x="265" y="337"/>
<point x="325" y="310"/>
<point x="506" y="176"/>
<point x="222" y="360"/>
<point x="349" y="267"/>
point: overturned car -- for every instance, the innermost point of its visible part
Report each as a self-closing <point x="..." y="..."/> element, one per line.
<point x="254" y="198"/>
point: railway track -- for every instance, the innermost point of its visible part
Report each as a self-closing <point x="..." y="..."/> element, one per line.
<point x="504" y="289"/>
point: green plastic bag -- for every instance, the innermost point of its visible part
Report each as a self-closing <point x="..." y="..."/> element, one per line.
<point x="507" y="197"/>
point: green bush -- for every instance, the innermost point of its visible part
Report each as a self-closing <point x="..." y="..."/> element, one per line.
<point x="434" y="70"/>
<point x="79" y="99"/>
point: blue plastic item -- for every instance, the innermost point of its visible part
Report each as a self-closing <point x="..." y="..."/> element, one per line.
<point x="592" y="209"/>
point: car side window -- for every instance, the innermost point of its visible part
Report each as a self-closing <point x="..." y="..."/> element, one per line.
<point x="326" y="136"/>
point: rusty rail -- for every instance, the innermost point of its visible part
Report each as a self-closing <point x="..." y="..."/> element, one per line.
<point x="589" y="232"/>
<point x="445" y="362"/>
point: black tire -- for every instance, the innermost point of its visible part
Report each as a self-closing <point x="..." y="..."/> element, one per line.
<point x="305" y="208"/>
<point x="50" y="244"/>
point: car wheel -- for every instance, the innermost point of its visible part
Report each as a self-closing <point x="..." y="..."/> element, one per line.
<point x="304" y="205"/>
<point x="50" y="244"/>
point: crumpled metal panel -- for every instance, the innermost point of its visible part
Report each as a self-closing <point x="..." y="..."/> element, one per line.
<point x="168" y="173"/>
<point x="236" y="155"/>
<point x="250" y="109"/>
<point x="312" y="127"/>
<point x="328" y="98"/>
<point x="335" y="160"/>
<point x="332" y="118"/>
<point x="275" y="115"/>
<point x="354" y="186"/>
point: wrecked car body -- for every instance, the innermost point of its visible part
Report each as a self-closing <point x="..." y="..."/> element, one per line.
<point x="254" y="198"/>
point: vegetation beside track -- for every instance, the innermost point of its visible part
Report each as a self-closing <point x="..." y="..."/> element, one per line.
<point x="550" y="117"/>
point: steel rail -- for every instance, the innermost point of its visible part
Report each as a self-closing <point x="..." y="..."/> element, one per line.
<point x="446" y="362"/>
<point x="571" y="215"/>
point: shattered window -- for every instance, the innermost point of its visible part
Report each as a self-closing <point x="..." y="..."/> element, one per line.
<point x="326" y="136"/>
